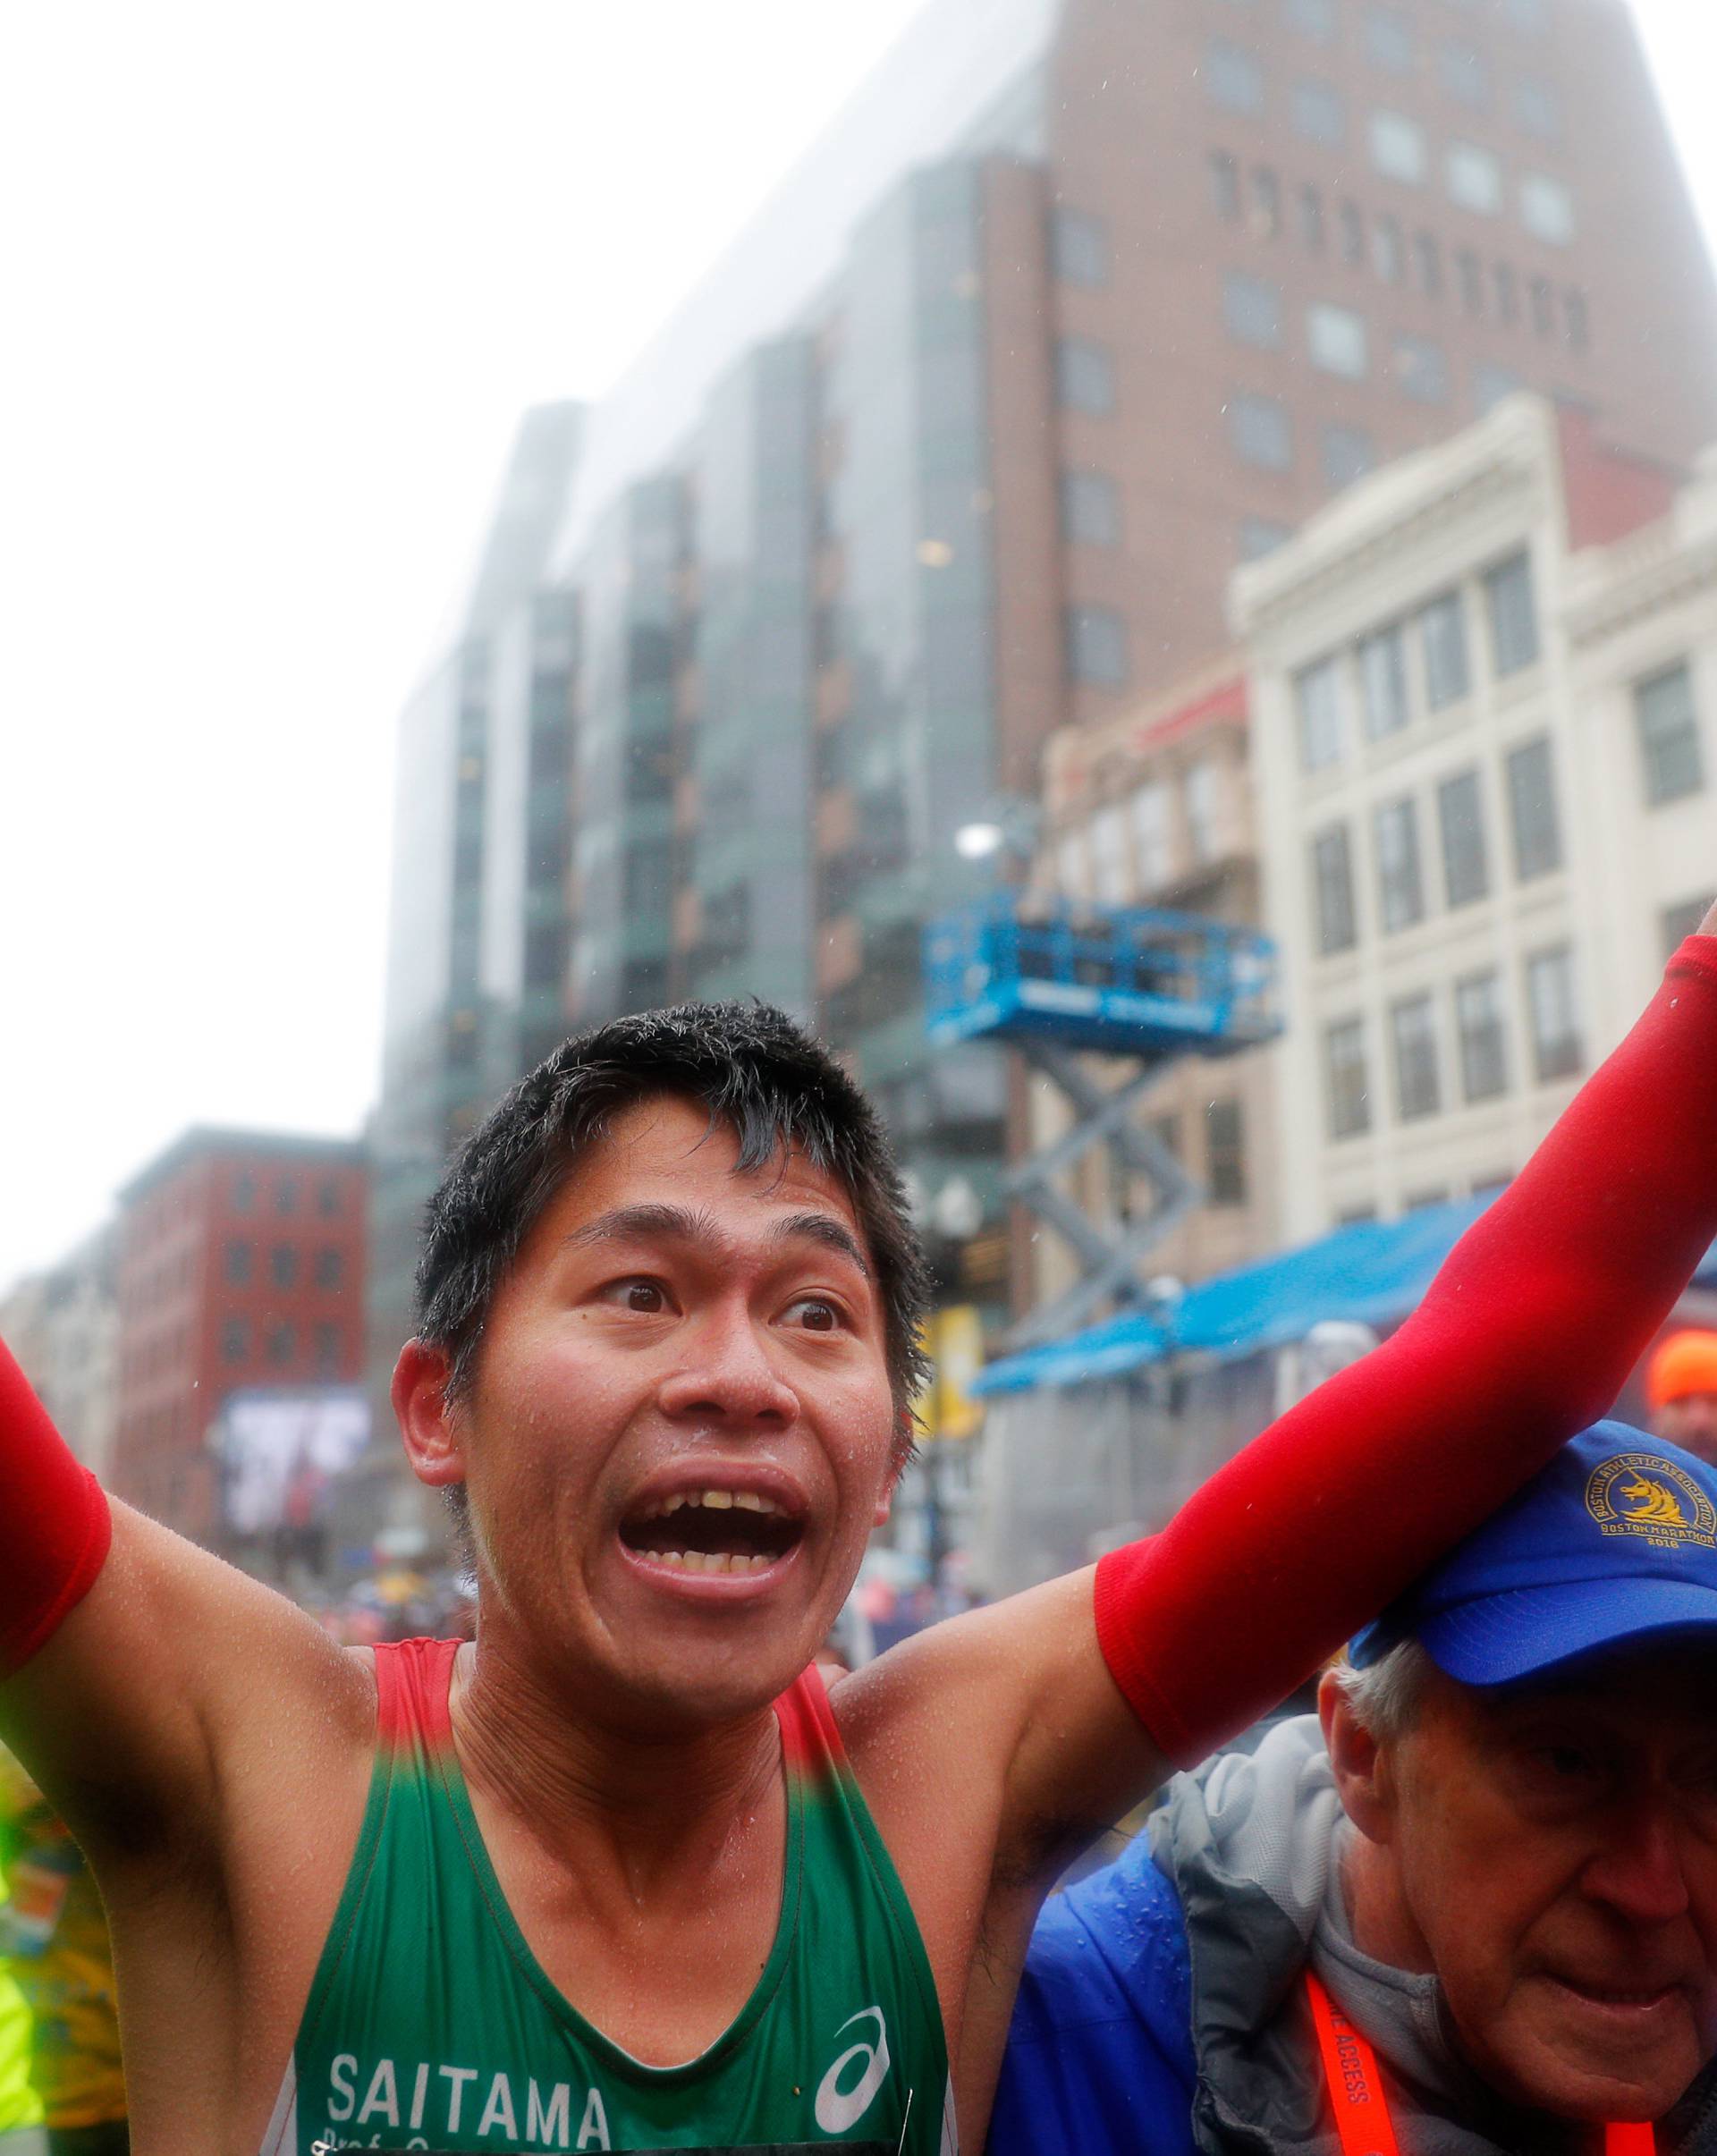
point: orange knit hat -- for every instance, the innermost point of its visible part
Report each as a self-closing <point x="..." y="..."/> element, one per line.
<point x="1685" y="1362"/>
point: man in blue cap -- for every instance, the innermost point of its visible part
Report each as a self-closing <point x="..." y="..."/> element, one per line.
<point x="1469" y="1908"/>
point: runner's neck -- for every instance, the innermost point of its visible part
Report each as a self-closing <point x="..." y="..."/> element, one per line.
<point x="644" y="1807"/>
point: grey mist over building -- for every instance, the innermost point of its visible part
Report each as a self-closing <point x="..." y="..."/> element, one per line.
<point x="477" y="926"/>
<point x="1074" y="307"/>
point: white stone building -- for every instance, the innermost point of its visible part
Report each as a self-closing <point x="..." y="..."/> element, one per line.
<point x="1483" y="689"/>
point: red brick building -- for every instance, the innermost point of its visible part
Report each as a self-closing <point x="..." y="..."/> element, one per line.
<point x="241" y="1264"/>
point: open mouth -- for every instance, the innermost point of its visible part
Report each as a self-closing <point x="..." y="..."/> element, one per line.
<point x="712" y="1532"/>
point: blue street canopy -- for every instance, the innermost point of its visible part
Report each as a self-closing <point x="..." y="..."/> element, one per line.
<point x="1372" y="1273"/>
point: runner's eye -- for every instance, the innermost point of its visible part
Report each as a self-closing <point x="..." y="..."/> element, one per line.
<point x="649" y="1298"/>
<point x="812" y="1314"/>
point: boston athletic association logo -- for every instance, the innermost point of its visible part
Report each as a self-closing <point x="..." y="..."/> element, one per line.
<point x="1644" y="1493"/>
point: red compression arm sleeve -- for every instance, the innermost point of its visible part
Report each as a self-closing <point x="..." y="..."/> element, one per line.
<point x="1525" y="1336"/>
<point x="55" y="1526"/>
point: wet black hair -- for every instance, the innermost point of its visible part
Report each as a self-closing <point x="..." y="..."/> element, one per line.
<point x="749" y="1066"/>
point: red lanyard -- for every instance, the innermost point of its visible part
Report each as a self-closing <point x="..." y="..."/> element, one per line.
<point x="1362" y="2121"/>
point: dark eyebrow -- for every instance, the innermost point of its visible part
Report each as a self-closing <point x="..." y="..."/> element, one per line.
<point x="654" y="1223"/>
<point x="824" y="1228"/>
<point x="644" y="1223"/>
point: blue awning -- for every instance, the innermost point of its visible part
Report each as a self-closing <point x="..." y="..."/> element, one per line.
<point x="1372" y="1272"/>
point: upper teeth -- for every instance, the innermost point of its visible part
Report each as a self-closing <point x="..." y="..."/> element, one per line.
<point x="718" y="1501"/>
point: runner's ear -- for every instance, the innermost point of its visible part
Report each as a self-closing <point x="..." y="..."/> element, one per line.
<point x="426" y="1419"/>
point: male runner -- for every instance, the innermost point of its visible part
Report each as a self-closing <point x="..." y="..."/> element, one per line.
<point x="621" y="1874"/>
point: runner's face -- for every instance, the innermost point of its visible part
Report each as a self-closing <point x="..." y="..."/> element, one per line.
<point x="681" y="1428"/>
<point x="1557" y="1847"/>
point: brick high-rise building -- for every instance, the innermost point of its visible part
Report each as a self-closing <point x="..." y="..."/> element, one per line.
<point x="1078" y="304"/>
<point x="241" y="1264"/>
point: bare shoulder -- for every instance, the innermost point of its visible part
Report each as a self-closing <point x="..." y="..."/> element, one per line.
<point x="141" y="1714"/>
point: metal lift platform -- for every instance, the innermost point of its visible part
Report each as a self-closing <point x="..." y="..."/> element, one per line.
<point x="1059" y="981"/>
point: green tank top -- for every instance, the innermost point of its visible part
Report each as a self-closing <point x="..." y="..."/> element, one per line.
<point x="430" y="2024"/>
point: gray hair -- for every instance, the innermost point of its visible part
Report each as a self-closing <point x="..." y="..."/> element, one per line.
<point x="1385" y="1698"/>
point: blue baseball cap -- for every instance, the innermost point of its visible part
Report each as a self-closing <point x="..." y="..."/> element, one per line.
<point x="1615" y="1540"/>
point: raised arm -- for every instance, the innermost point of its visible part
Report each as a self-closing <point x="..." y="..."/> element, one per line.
<point x="131" y="1661"/>
<point x="1525" y="1335"/>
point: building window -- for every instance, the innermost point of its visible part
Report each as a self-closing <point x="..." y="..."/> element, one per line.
<point x="286" y="1194"/>
<point x="1382" y="682"/>
<point x="1202" y="798"/>
<point x="1166" y="1131"/>
<point x="1442" y="638"/>
<point x="327" y="1350"/>
<point x="235" y="1339"/>
<point x="1576" y="327"/>
<point x="1669" y="735"/>
<point x="1260" y="536"/>
<point x="1153" y="840"/>
<point x="283" y="1343"/>
<point x="330" y="1267"/>
<point x="1400" y="881"/>
<point x="1085" y="377"/>
<point x="1557" y="1050"/>
<point x="1412" y="1031"/>
<point x="1318" y="701"/>
<point x="1547" y="209"/>
<point x="1532" y="811"/>
<point x="1332" y="891"/>
<point x="1514" y="618"/>
<point x="1344" y="1063"/>
<point x="1474" y="178"/>
<point x="1252" y="310"/>
<point x="1542" y="306"/>
<point x="1483" y="1051"/>
<point x="1427" y="258"/>
<point x="282" y="1266"/>
<point x="1335" y="340"/>
<point x="1224" y="1152"/>
<point x="1387" y="252"/>
<point x="1079" y="247"/>
<point x="1460" y="820"/>
<point x="1318" y="112"/>
<point x="1225" y="185"/>
<point x="1535" y="108"/>
<point x="1266" y="202"/>
<point x="244" y="1193"/>
<point x="1109" y="878"/>
<point x="1353" y="235"/>
<point x="327" y="1197"/>
<point x="1233" y="77"/>
<point x="1471" y="279"/>
<point x="1261" y="431"/>
<point x="1311" y="219"/>
<point x="1314" y="19"/>
<point x="1097" y="645"/>
<point x="1398" y="147"/>
<point x="1348" y="455"/>
<point x="1466" y="74"/>
<point x="1491" y="384"/>
<point x="1389" y="39"/>
<point x="238" y="1263"/>
<point x="1421" y="369"/>
<point x="1677" y="922"/>
<point x="1506" y="287"/>
<point x="1090" y="508"/>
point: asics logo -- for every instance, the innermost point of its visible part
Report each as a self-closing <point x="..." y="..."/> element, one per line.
<point x="837" y="2109"/>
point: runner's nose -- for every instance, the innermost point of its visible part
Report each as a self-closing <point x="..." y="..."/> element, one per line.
<point x="727" y="1376"/>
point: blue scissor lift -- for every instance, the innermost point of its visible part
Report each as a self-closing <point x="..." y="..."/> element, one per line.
<point x="1056" y="980"/>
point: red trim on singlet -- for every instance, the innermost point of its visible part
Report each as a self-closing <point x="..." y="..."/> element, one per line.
<point x="413" y="1680"/>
